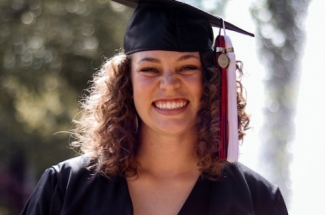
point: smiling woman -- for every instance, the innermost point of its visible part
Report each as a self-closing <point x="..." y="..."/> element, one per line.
<point x="151" y="129"/>
<point x="167" y="88"/>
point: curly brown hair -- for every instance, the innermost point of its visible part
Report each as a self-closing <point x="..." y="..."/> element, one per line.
<point x="109" y="125"/>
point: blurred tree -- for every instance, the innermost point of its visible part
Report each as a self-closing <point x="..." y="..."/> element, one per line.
<point x="48" y="52"/>
<point x="281" y="36"/>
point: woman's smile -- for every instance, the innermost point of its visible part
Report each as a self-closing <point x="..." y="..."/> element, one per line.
<point x="170" y="104"/>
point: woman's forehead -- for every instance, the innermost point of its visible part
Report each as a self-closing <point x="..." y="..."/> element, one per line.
<point x="161" y="54"/>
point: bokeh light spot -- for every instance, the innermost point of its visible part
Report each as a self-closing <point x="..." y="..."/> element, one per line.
<point x="27" y="18"/>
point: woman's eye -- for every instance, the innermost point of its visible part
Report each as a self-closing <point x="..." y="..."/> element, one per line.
<point x="149" y="70"/>
<point x="188" y="68"/>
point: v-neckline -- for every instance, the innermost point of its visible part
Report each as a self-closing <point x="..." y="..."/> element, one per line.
<point x="198" y="201"/>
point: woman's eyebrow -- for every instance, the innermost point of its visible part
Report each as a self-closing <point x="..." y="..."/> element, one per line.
<point x="149" y="59"/>
<point x="187" y="56"/>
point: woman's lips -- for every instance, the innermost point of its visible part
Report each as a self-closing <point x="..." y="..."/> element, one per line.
<point x="170" y="104"/>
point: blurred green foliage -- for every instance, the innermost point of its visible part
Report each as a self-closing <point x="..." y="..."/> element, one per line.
<point x="48" y="53"/>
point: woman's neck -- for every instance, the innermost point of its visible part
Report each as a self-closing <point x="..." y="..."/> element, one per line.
<point x="167" y="155"/>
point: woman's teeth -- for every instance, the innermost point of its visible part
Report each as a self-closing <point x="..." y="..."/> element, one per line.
<point x="170" y="105"/>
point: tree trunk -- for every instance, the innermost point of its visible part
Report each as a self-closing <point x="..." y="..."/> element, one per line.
<point x="281" y="36"/>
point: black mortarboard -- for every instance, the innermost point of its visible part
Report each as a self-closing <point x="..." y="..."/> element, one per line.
<point x="170" y="25"/>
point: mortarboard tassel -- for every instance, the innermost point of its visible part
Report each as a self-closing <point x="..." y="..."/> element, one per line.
<point x="233" y="146"/>
<point x="226" y="62"/>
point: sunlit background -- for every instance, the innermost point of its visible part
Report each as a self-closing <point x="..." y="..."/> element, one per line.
<point x="307" y="171"/>
<point x="49" y="50"/>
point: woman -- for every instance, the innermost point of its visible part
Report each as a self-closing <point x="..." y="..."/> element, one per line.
<point x="150" y="130"/>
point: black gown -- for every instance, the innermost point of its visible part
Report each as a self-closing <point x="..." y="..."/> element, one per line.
<point x="69" y="188"/>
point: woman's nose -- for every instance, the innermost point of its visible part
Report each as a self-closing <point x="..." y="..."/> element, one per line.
<point x="170" y="81"/>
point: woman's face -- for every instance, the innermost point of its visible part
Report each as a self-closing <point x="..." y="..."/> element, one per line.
<point x="167" y="87"/>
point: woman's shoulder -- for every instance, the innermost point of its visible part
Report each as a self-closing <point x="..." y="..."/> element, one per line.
<point x="240" y="171"/>
<point x="72" y="186"/>
<point x="74" y="165"/>
<point x="246" y="178"/>
<point x="247" y="189"/>
<point x="80" y="166"/>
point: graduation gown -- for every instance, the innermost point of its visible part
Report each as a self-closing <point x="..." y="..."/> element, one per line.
<point x="70" y="188"/>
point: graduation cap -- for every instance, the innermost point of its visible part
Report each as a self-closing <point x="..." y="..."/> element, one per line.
<point x="173" y="25"/>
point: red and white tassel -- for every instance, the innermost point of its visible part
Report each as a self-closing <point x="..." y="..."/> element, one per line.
<point x="233" y="143"/>
<point x="229" y="145"/>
